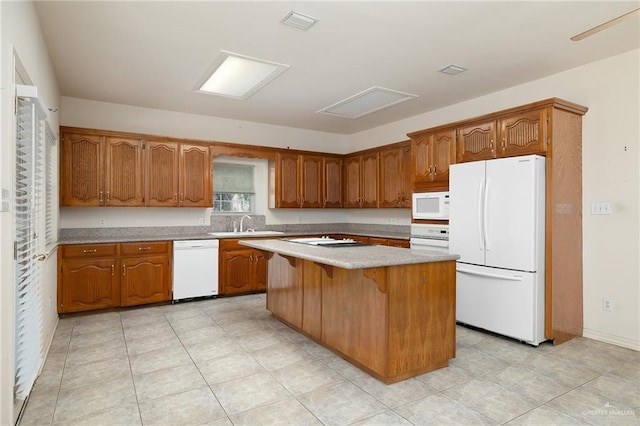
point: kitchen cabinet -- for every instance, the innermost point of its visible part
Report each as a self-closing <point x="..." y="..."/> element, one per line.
<point x="97" y="170"/>
<point x="392" y="242"/>
<point x="395" y="176"/>
<point x="308" y="181"/>
<point x="195" y="176"/>
<point x="242" y="269"/>
<point x="88" y="277"/>
<point x="162" y="186"/>
<point x="432" y="153"/>
<point x="98" y="276"/>
<point x="520" y="133"/>
<point x="361" y="180"/>
<point x="145" y="270"/>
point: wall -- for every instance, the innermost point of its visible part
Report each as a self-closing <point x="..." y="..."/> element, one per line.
<point x="19" y="32"/>
<point x="611" y="160"/>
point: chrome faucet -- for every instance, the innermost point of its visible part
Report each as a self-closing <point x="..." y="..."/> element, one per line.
<point x="242" y="221"/>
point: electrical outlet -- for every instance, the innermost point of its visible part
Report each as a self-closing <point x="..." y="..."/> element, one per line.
<point x="392" y="221"/>
<point x="607" y="305"/>
<point x="601" y="208"/>
<point x="201" y="221"/>
<point x="102" y="221"/>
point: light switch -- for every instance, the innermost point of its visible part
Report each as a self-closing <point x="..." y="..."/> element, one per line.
<point x="601" y="208"/>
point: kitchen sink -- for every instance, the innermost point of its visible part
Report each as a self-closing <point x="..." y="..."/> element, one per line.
<point x="231" y="234"/>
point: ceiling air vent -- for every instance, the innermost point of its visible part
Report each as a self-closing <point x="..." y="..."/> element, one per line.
<point x="452" y="69"/>
<point x="298" y="20"/>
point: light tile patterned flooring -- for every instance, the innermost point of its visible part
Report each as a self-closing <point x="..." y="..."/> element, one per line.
<point x="227" y="361"/>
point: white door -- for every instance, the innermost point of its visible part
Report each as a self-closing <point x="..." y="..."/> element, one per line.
<point x="466" y="189"/>
<point x="497" y="300"/>
<point x="512" y="211"/>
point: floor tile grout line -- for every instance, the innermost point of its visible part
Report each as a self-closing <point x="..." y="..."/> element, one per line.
<point x="133" y="381"/>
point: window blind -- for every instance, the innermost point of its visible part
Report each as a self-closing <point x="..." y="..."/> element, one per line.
<point x="30" y="136"/>
<point x="51" y="193"/>
<point x="235" y="178"/>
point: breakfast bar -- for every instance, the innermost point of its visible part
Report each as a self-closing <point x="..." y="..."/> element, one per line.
<point x="390" y="311"/>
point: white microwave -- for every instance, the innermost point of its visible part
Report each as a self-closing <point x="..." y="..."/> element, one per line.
<point x="430" y="205"/>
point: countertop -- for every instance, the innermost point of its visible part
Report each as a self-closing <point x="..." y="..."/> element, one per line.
<point x="360" y="257"/>
<point x="123" y="238"/>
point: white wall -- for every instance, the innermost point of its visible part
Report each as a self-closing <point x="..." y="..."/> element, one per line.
<point x="611" y="163"/>
<point x="19" y="31"/>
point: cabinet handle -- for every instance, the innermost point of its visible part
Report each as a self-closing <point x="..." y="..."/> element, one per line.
<point x="181" y="197"/>
<point x="301" y="200"/>
<point x="108" y="196"/>
<point x="175" y="197"/>
<point x="251" y="259"/>
<point x="430" y="170"/>
<point x="101" y="198"/>
<point x="124" y="269"/>
<point x="324" y="202"/>
<point x="144" y="248"/>
<point x="89" y="251"/>
<point x="504" y="144"/>
<point x="491" y="145"/>
<point x="113" y="269"/>
<point x="435" y="169"/>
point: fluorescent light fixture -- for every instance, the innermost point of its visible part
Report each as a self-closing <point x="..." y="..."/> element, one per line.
<point x="452" y="69"/>
<point x="363" y="103"/>
<point x="238" y="77"/>
<point x="298" y="20"/>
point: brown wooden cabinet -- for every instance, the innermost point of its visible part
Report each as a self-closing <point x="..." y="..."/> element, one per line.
<point x="145" y="270"/>
<point x="395" y="176"/>
<point x="308" y="181"/>
<point x="100" y="171"/>
<point x="242" y="269"/>
<point x="432" y="152"/>
<point x="98" y="276"/>
<point x="361" y="180"/>
<point x="103" y="168"/>
<point x="520" y="133"/>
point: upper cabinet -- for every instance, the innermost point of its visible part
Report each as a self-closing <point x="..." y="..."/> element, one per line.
<point x="521" y="133"/>
<point x="112" y="170"/>
<point x="308" y="180"/>
<point x="361" y="180"/>
<point x="101" y="171"/>
<point x="395" y="176"/>
<point x="432" y="152"/>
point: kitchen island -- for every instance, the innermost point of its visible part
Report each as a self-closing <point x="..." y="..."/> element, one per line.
<point x="390" y="311"/>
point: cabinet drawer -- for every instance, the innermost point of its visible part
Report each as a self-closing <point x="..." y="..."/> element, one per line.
<point x="88" y="250"/>
<point x="144" y="248"/>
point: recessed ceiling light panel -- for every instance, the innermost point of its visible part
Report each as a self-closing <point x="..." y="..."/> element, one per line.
<point x="452" y="69"/>
<point x="238" y="76"/>
<point x="298" y="20"/>
<point x="363" y="103"/>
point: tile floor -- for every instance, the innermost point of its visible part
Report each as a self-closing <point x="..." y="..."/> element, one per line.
<point x="228" y="362"/>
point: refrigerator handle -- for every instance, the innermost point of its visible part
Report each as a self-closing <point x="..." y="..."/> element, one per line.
<point x="485" y="216"/>
<point x="479" y="213"/>
<point x="484" y="274"/>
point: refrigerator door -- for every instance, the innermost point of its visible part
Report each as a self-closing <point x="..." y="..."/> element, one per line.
<point x="512" y="211"/>
<point x="505" y="302"/>
<point x="466" y="222"/>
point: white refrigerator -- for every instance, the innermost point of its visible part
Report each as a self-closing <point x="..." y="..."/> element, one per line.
<point x="497" y="226"/>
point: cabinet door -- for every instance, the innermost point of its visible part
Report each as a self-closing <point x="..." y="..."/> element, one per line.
<point x="443" y="154"/>
<point x="145" y="280"/>
<point x="332" y="182"/>
<point x="287" y="192"/>
<point x="237" y="274"/>
<point x="161" y="180"/>
<point x="420" y="159"/>
<point x="352" y="182"/>
<point x="390" y="178"/>
<point x="123" y="172"/>
<point x="311" y="181"/>
<point x="195" y="176"/>
<point x="259" y="270"/>
<point x="524" y="134"/>
<point x="88" y="284"/>
<point x="81" y="182"/>
<point x="369" y="180"/>
<point x="405" y="164"/>
<point x="477" y="142"/>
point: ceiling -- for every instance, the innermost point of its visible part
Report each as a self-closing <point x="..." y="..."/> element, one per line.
<point x="153" y="54"/>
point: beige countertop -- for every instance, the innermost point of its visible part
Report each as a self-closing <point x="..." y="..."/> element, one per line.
<point x="360" y="257"/>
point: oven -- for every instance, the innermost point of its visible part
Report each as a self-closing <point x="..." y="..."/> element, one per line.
<point x="430" y="237"/>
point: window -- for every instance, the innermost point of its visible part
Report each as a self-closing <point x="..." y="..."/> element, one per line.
<point x="50" y="191"/>
<point x="233" y="188"/>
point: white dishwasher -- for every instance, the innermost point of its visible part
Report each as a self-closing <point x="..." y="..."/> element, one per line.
<point x="195" y="268"/>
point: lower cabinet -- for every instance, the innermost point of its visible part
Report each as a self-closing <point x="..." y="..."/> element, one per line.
<point x="98" y="276"/>
<point x="242" y="269"/>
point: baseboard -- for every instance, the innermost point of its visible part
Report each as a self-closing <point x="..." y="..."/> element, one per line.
<point x="611" y="338"/>
<point x="45" y="350"/>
